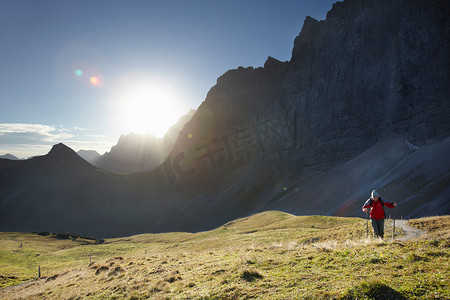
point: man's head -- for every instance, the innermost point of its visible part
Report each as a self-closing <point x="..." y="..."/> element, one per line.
<point x="375" y="195"/>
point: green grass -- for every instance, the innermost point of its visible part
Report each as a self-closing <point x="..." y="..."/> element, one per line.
<point x="271" y="255"/>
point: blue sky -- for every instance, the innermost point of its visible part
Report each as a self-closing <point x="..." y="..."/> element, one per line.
<point x="75" y="71"/>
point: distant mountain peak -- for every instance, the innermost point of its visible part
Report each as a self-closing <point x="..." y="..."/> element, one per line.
<point x="89" y="155"/>
<point x="139" y="152"/>
<point x="63" y="155"/>
<point x="60" y="149"/>
<point x="9" y="156"/>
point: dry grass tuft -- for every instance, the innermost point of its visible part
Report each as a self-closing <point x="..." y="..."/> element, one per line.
<point x="250" y="275"/>
<point x="101" y="269"/>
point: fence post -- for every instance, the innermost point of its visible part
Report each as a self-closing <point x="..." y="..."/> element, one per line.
<point x="39" y="271"/>
<point x="90" y="258"/>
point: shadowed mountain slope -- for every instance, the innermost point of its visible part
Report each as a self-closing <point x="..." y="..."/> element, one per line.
<point x="61" y="192"/>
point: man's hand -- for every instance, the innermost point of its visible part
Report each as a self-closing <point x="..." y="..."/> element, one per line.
<point x="365" y="209"/>
<point x="395" y="204"/>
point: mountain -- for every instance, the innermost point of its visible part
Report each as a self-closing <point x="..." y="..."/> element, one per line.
<point x="133" y="153"/>
<point x="8" y="156"/>
<point x="89" y="155"/>
<point x="61" y="192"/>
<point x="371" y="78"/>
<point x="139" y="153"/>
<point x="174" y="131"/>
<point x="362" y="104"/>
<point x="354" y="81"/>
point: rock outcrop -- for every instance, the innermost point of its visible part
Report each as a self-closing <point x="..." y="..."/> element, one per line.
<point x="371" y="70"/>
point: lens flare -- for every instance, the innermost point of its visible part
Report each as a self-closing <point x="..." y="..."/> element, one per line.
<point x="87" y="74"/>
<point x="95" y="81"/>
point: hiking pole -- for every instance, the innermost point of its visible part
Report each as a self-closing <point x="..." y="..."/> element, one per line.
<point x="367" y="225"/>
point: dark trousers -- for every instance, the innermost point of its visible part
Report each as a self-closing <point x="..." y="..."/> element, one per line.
<point x="378" y="227"/>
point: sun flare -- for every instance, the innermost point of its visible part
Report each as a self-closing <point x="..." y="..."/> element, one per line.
<point x="147" y="106"/>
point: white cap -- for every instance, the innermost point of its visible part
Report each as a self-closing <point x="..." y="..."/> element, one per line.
<point x="375" y="194"/>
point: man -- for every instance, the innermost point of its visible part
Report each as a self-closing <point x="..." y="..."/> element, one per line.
<point x="376" y="205"/>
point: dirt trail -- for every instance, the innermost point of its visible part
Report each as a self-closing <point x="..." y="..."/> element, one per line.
<point x="411" y="232"/>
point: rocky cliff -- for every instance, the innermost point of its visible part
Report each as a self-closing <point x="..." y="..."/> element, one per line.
<point x="370" y="71"/>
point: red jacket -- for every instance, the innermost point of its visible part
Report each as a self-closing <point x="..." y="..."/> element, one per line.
<point x="377" y="209"/>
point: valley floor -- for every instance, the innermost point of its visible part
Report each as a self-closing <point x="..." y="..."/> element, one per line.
<point x="271" y="255"/>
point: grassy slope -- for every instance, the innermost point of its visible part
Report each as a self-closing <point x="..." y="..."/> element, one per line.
<point x="271" y="255"/>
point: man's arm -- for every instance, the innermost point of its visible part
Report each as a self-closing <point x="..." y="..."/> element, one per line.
<point x="366" y="205"/>
<point x="390" y="204"/>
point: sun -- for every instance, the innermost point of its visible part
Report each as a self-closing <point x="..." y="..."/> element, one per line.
<point x="147" y="106"/>
<point x="148" y="110"/>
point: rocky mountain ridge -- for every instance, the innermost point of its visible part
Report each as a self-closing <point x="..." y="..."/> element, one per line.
<point x="354" y="79"/>
<point x="138" y="152"/>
